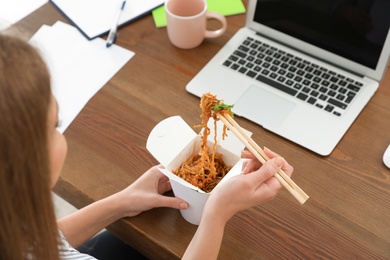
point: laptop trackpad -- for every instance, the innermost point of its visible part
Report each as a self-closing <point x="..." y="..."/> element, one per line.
<point x="263" y="107"/>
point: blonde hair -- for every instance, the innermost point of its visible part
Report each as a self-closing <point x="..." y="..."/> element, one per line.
<point x="27" y="220"/>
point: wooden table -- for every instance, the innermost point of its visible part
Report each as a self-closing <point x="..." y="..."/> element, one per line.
<point x="346" y="217"/>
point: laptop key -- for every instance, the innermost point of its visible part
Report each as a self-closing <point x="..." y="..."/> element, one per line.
<point x="306" y="82"/>
<point x="314" y="86"/>
<point x="276" y="85"/>
<point x="240" y="54"/>
<point x="323" y="89"/>
<point x="329" y="108"/>
<point x="337" y="103"/>
<point x="340" y="97"/>
<point x="246" y="42"/>
<point x="266" y="65"/>
<point x="281" y="79"/>
<point x="311" y="100"/>
<point x="233" y="58"/>
<point x="333" y="79"/>
<point x="323" y="97"/>
<point x="298" y="78"/>
<point x="342" y="83"/>
<point x="314" y="93"/>
<point x="350" y="96"/>
<point x="342" y="90"/>
<point x="331" y="93"/>
<point x="265" y="71"/>
<point x="297" y="86"/>
<point x="251" y="74"/>
<point x="336" y="113"/>
<point x="353" y="87"/>
<point x="242" y="61"/>
<point x="325" y="83"/>
<point x="302" y="96"/>
<point x="250" y="58"/>
<point x="227" y="63"/>
<point x="235" y="66"/>
<point x="243" y="48"/>
<point x="249" y="65"/>
<point x="242" y="70"/>
<point x="289" y="82"/>
<point x="257" y="68"/>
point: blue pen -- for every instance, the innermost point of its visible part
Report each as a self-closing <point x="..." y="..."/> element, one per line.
<point x="112" y="35"/>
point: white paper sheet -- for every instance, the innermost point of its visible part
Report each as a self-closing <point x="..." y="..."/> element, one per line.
<point x="12" y="11"/>
<point x="78" y="67"/>
<point x="96" y="17"/>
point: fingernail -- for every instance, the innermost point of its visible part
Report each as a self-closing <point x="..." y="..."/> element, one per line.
<point x="183" y="205"/>
<point x="278" y="162"/>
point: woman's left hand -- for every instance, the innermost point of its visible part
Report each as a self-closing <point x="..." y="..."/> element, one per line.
<point x="146" y="193"/>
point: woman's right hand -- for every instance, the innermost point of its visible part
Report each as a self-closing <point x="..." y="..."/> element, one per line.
<point x="254" y="186"/>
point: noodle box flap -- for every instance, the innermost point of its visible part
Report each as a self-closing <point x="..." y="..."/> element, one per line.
<point x="172" y="141"/>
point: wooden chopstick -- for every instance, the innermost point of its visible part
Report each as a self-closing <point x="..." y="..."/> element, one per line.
<point x="281" y="176"/>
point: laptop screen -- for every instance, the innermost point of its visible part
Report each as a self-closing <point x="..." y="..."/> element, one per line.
<point x="353" y="29"/>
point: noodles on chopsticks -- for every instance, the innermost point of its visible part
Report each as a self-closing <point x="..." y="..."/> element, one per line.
<point x="206" y="169"/>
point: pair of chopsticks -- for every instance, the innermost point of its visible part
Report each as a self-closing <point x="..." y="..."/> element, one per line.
<point x="281" y="176"/>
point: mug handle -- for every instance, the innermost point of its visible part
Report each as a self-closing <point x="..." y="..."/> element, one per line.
<point x="219" y="32"/>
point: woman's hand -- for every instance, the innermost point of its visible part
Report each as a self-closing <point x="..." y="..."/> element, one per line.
<point x="255" y="185"/>
<point x="146" y="193"/>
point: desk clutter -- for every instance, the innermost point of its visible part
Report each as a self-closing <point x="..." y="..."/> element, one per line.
<point x="79" y="68"/>
<point x="94" y="18"/>
<point x="76" y="56"/>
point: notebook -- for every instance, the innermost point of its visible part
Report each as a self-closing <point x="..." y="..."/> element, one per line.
<point x="303" y="69"/>
<point x="94" y="18"/>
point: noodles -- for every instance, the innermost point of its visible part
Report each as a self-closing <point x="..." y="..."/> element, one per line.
<point x="206" y="169"/>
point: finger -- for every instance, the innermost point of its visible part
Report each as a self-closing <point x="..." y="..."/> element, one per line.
<point x="287" y="168"/>
<point x="267" y="151"/>
<point x="247" y="154"/>
<point x="172" y="202"/>
<point x="250" y="166"/>
<point x="268" y="170"/>
<point x="164" y="185"/>
<point x="270" y="153"/>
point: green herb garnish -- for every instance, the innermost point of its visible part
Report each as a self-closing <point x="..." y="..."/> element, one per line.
<point x="223" y="106"/>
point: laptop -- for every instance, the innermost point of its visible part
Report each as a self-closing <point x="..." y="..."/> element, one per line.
<point x="303" y="69"/>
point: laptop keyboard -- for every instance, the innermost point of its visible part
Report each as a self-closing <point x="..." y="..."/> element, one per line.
<point x="295" y="76"/>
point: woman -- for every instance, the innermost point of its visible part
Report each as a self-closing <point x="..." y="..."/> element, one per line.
<point x="31" y="158"/>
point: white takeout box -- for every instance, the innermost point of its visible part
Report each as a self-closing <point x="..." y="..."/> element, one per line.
<point x="172" y="141"/>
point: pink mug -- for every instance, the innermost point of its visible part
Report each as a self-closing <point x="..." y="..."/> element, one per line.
<point x="187" y="22"/>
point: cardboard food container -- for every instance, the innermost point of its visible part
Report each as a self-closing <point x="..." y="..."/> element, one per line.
<point x="172" y="141"/>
